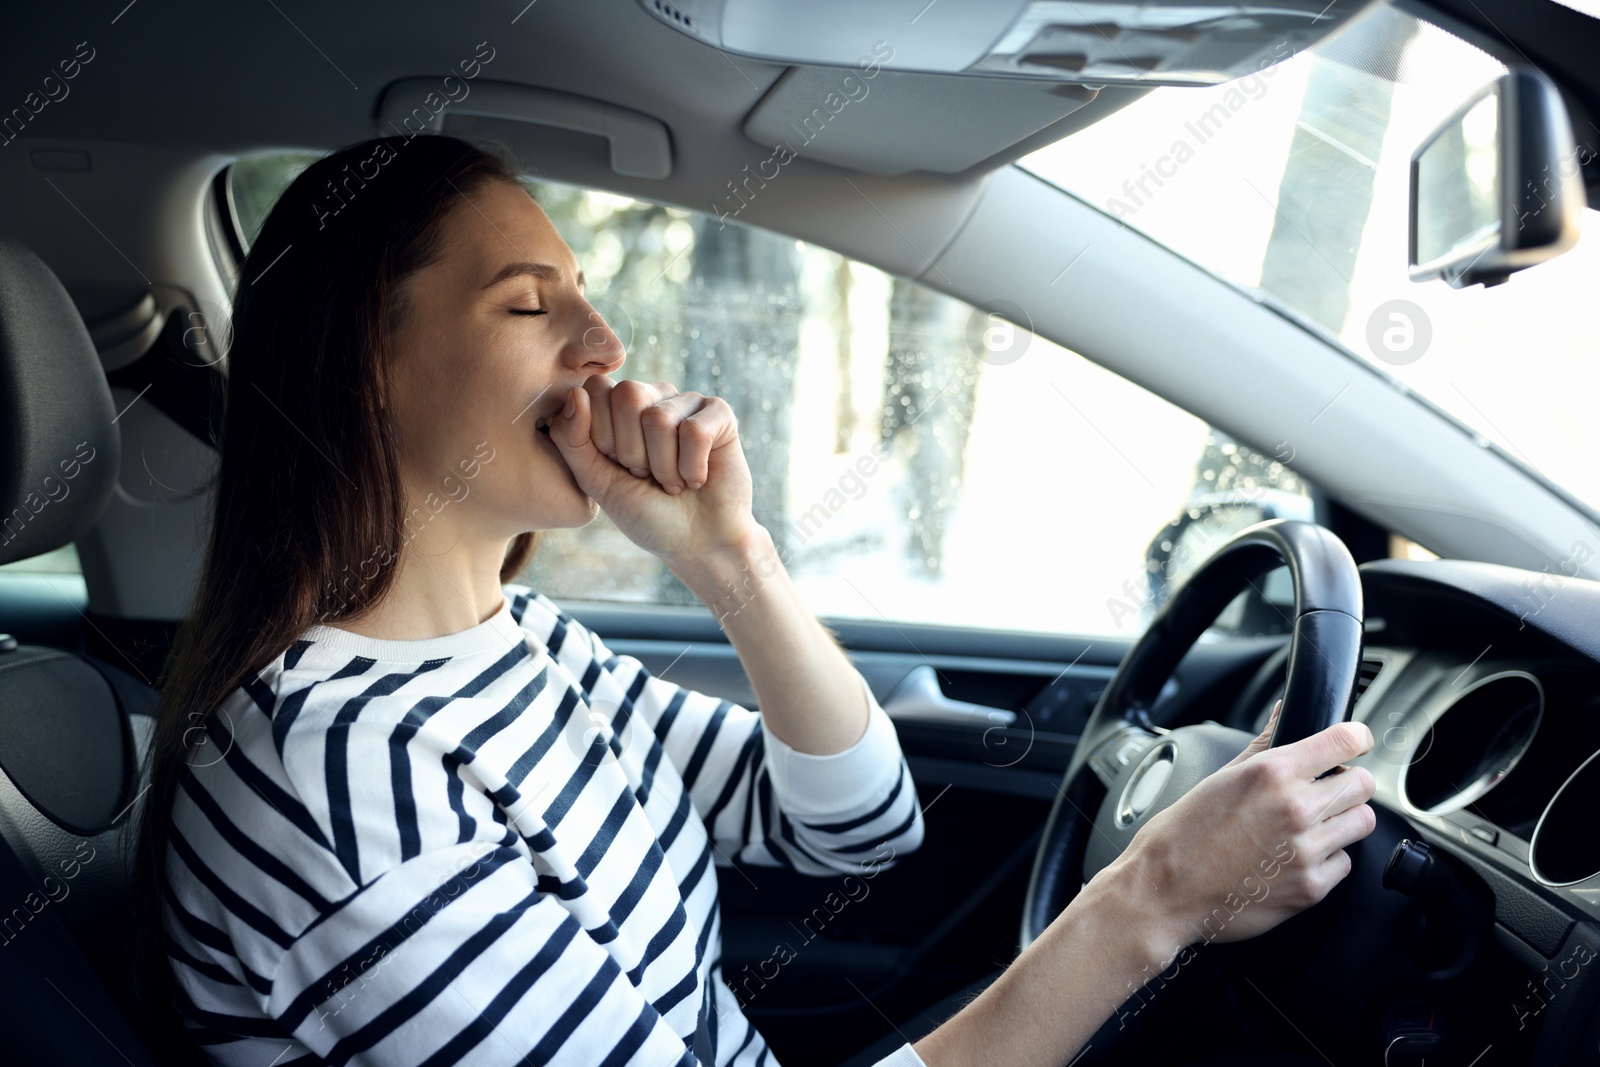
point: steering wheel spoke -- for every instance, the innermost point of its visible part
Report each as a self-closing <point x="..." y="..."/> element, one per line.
<point x="1125" y="745"/>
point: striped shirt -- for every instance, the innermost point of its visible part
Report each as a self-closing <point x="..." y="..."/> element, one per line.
<point x="495" y="846"/>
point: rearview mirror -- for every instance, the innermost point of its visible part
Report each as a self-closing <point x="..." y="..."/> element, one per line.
<point x="1496" y="188"/>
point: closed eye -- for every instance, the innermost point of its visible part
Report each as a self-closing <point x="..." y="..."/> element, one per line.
<point x="528" y="311"/>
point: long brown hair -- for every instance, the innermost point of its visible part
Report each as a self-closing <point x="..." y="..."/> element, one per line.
<point x="308" y="502"/>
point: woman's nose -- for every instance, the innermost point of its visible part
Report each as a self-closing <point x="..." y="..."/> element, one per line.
<point x="598" y="347"/>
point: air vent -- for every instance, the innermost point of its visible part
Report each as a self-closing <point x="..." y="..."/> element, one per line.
<point x="1370" y="669"/>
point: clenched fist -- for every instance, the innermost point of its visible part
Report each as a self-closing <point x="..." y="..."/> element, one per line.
<point x="666" y="467"/>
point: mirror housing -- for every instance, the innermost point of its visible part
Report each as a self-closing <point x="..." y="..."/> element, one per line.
<point x="1497" y="187"/>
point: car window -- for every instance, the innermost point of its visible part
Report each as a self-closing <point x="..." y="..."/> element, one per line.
<point x="254" y="185"/>
<point x="917" y="459"/>
<point x="63" y="560"/>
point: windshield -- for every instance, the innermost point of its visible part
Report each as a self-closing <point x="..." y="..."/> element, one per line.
<point x="1293" y="183"/>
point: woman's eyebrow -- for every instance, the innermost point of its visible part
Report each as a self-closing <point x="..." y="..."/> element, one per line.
<point x="544" y="271"/>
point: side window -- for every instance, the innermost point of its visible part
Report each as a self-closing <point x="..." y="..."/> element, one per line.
<point x="254" y="185"/>
<point x="915" y="458"/>
<point x="63" y="560"/>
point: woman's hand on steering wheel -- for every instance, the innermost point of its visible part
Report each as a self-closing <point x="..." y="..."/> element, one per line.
<point x="1256" y="842"/>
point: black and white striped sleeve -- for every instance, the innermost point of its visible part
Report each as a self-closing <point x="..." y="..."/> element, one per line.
<point x="761" y="800"/>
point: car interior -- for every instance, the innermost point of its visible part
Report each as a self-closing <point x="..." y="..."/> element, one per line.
<point x="1179" y="464"/>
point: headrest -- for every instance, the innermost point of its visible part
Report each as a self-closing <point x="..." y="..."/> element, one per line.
<point x="59" y="450"/>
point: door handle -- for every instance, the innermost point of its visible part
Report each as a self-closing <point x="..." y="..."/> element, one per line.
<point x="918" y="698"/>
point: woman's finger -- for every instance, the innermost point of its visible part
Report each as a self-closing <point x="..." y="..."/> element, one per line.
<point x="660" y="422"/>
<point x="600" y="433"/>
<point x="629" y="400"/>
<point x="1323" y="876"/>
<point x="1327" y="797"/>
<point x="1263" y="740"/>
<point x="1327" y="749"/>
<point x="1340" y="831"/>
<point x="711" y="426"/>
<point x="596" y="475"/>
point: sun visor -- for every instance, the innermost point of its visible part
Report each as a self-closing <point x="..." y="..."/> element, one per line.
<point x="892" y="122"/>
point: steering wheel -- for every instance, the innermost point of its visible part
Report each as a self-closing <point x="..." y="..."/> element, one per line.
<point x="1126" y="770"/>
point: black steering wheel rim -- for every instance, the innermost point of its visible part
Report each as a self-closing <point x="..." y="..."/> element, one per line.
<point x="1324" y="663"/>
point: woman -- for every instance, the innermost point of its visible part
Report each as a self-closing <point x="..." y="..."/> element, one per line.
<point x="405" y="812"/>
